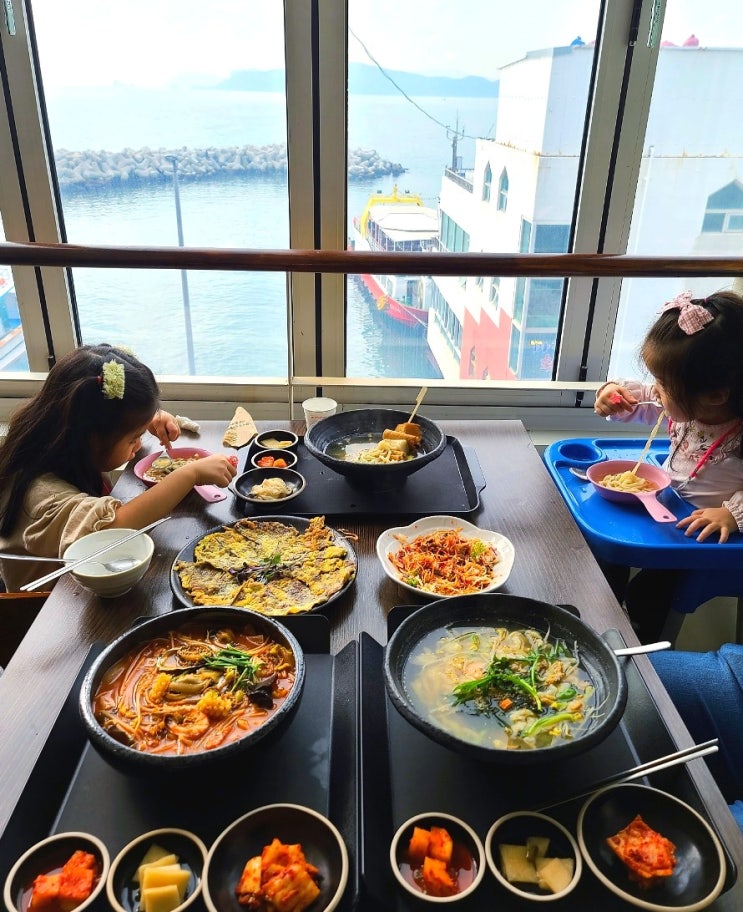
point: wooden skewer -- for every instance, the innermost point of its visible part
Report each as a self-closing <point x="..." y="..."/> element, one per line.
<point x="649" y="441"/>
<point x="418" y="401"/>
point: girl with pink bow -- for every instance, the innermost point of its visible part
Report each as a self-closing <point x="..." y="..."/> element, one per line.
<point x="694" y="352"/>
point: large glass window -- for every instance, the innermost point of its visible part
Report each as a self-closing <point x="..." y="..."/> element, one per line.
<point x="689" y="197"/>
<point x="231" y="126"/>
<point x="440" y="112"/>
<point x="168" y="127"/>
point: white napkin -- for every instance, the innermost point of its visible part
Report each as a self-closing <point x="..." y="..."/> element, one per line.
<point x="187" y="424"/>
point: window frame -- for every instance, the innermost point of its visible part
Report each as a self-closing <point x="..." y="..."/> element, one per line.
<point x="316" y="76"/>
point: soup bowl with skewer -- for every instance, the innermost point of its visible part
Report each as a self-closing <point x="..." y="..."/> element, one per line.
<point x="191" y="688"/>
<point x="337" y="442"/>
<point x="656" y="481"/>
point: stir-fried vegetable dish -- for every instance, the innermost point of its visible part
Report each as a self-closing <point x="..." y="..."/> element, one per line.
<point x="445" y="562"/>
<point x="194" y="689"/>
<point x="511" y="689"/>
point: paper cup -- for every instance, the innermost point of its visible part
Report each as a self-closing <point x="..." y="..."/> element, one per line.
<point x="317" y="408"/>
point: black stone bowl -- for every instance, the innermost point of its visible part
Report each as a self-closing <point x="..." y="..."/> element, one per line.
<point x="700" y="870"/>
<point x="129" y="759"/>
<point x="325" y="436"/>
<point x="321" y="842"/>
<point x="496" y="609"/>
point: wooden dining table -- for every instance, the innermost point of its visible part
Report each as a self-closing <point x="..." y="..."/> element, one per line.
<point x="553" y="563"/>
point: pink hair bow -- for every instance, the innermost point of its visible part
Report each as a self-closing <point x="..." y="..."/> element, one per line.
<point x="692" y="317"/>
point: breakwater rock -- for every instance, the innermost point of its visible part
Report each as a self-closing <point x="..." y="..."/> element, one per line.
<point x="89" y="169"/>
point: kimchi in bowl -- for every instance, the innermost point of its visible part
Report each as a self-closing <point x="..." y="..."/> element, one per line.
<point x="191" y="687"/>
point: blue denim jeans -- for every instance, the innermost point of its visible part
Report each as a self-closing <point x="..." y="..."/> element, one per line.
<point x="707" y="689"/>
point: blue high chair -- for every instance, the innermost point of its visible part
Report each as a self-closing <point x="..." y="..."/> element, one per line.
<point x="627" y="535"/>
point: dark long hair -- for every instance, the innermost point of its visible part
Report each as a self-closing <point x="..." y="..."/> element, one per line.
<point x="69" y="425"/>
<point x="706" y="361"/>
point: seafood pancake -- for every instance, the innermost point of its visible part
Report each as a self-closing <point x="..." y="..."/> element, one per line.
<point x="268" y="566"/>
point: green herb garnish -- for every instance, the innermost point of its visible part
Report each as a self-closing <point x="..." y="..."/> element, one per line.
<point x="243" y="663"/>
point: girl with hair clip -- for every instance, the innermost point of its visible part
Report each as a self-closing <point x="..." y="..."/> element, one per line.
<point x="694" y="351"/>
<point x="86" y="420"/>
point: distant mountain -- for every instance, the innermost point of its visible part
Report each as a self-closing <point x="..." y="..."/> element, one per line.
<point x="364" y="79"/>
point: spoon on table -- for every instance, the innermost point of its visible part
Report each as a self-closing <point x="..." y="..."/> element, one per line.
<point x="642" y="648"/>
<point x="114" y="566"/>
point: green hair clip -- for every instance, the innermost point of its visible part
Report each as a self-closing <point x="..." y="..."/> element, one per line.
<point x="112" y="380"/>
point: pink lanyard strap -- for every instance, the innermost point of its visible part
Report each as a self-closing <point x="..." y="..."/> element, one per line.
<point x="715" y="445"/>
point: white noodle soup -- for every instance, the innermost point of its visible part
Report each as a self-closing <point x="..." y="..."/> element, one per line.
<point x="514" y="689"/>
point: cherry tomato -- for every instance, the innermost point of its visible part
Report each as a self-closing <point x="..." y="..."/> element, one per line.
<point x="233" y="460"/>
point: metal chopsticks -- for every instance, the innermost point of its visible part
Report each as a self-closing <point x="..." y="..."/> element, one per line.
<point x="643" y="769"/>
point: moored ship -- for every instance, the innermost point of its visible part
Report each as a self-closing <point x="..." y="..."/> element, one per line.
<point x="397" y="222"/>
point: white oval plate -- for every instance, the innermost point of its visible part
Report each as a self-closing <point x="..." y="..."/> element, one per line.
<point x="387" y="544"/>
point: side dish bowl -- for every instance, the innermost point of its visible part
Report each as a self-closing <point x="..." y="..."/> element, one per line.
<point x="513" y="830"/>
<point x="123" y="887"/>
<point x="326" y="439"/>
<point x="129" y="757"/>
<point x="95" y="576"/>
<point x="49" y="855"/>
<point x="276" y="440"/>
<point x="392" y="540"/>
<point x="289" y="457"/>
<point x="460" y="615"/>
<point x="699" y="873"/>
<point x="468" y="857"/>
<point x="246" y="837"/>
<point x="243" y="485"/>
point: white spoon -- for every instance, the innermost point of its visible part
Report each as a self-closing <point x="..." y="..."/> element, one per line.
<point x="639" y="650"/>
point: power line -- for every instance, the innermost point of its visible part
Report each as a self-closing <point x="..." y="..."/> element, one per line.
<point x="402" y="91"/>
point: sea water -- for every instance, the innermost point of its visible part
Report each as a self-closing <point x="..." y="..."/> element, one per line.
<point x="145" y="308"/>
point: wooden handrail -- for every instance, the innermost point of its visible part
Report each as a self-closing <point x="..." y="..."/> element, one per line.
<point x="355" y="262"/>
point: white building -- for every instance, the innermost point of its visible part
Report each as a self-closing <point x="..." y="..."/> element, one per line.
<point x="520" y="197"/>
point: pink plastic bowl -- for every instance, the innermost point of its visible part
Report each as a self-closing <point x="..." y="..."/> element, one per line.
<point x="649" y="499"/>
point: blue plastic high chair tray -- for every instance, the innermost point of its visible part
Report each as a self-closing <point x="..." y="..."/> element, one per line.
<point x="625" y="533"/>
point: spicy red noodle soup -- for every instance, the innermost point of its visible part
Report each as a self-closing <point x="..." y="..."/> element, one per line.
<point x="194" y="689"/>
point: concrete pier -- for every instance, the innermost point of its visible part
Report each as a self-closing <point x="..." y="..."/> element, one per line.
<point x="90" y="169"/>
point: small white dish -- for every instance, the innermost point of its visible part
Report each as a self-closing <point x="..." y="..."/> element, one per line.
<point x="95" y="576"/>
<point x="48" y="855"/>
<point x="514" y="829"/>
<point x="463" y="836"/>
<point x="388" y="543"/>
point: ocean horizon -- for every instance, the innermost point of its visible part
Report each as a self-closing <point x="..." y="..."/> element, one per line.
<point x="247" y="211"/>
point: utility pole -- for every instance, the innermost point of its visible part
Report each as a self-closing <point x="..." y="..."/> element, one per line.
<point x="173" y="159"/>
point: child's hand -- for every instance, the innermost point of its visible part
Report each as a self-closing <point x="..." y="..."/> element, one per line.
<point x="165" y="428"/>
<point x="217" y="469"/>
<point x="613" y="399"/>
<point x="709" y="521"/>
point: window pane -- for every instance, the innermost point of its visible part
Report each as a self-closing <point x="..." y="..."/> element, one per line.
<point x="689" y="198"/>
<point x="168" y="124"/>
<point x="12" y="347"/>
<point x="479" y="118"/>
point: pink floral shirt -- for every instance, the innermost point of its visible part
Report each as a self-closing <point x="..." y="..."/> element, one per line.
<point x="719" y="481"/>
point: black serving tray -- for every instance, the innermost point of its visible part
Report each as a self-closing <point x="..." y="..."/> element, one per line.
<point x="403" y="773"/>
<point x="449" y="485"/>
<point x="312" y="763"/>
